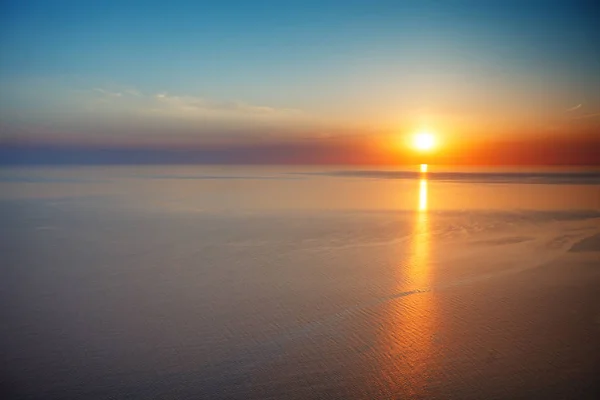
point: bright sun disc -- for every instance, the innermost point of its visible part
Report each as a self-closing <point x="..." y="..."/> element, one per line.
<point x="424" y="141"/>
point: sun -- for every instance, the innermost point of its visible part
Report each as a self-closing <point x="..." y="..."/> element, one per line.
<point x="424" y="141"/>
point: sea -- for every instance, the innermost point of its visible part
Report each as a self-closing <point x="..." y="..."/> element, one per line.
<point x="299" y="282"/>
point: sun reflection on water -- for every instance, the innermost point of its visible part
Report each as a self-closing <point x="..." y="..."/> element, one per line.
<point x="412" y="318"/>
<point x="419" y="260"/>
<point x="422" y="196"/>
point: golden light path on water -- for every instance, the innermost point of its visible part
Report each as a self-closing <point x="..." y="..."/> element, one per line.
<point x="408" y="341"/>
<point x="422" y="216"/>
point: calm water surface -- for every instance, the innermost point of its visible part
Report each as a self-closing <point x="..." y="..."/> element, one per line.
<point x="299" y="283"/>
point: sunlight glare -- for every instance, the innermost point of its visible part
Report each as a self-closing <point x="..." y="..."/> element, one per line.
<point x="424" y="141"/>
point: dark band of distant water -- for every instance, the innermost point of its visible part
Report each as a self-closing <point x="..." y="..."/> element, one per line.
<point x="579" y="177"/>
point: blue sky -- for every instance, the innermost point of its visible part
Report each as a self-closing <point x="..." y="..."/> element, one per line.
<point x="133" y="70"/>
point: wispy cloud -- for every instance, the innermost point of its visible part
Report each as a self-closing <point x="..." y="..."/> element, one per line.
<point x="188" y="106"/>
<point x="572" y="115"/>
<point x="125" y="113"/>
<point x="594" y="115"/>
<point x="108" y="93"/>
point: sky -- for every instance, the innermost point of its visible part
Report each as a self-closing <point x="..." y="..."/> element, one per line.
<point x="302" y="81"/>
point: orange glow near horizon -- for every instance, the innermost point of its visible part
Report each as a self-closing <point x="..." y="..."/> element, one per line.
<point x="400" y="145"/>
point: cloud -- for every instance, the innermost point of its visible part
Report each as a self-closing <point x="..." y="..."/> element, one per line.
<point x="124" y="114"/>
<point x="578" y="115"/>
<point x="588" y="116"/>
<point x="108" y="93"/>
<point x="132" y="92"/>
<point x="164" y="104"/>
